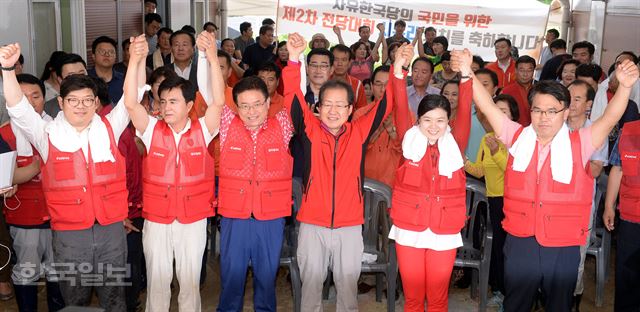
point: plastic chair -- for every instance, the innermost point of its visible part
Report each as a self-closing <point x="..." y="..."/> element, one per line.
<point x="377" y="194"/>
<point x="477" y="256"/>
<point x="600" y="242"/>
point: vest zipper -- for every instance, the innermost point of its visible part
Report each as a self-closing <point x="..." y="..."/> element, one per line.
<point x="333" y="193"/>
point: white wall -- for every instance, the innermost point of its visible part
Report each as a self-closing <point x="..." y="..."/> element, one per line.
<point x="15" y="27"/>
<point x="180" y="14"/>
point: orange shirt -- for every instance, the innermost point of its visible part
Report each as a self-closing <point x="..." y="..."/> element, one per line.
<point x="520" y="93"/>
<point x="504" y="78"/>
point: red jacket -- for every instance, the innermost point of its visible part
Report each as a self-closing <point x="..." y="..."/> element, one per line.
<point x="520" y="94"/>
<point x="31" y="208"/>
<point x="422" y="198"/>
<point x="630" y="184"/>
<point x="556" y="214"/>
<point x="79" y="193"/>
<point x="504" y="78"/>
<point x="182" y="191"/>
<point x="255" y="180"/>
<point x="333" y="176"/>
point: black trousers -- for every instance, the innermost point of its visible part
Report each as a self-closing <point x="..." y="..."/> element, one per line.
<point x="529" y="266"/>
<point x="135" y="260"/>
<point x="628" y="268"/>
<point x="496" y="271"/>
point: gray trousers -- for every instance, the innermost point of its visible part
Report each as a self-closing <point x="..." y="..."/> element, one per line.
<point x="95" y="257"/>
<point x="34" y="255"/>
<point x="583" y="250"/>
<point x="321" y="248"/>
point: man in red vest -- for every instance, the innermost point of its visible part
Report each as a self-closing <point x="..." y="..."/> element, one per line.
<point x="331" y="214"/>
<point x="504" y="66"/>
<point x="254" y="193"/>
<point x="624" y="178"/>
<point x="178" y="178"/>
<point x="519" y="88"/>
<point x="548" y="187"/>
<point x="26" y="213"/>
<point x="84" y="182"/>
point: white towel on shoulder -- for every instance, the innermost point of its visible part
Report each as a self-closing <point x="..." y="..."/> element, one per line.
<point x="64" y="137"/>
<point x="23" y="147"/>
<point x="561" y="155"/>
<point x="414" y="146"/>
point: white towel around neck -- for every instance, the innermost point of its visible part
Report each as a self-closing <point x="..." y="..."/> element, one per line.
<point x="63" y="136"/>
<point x="561" y="155"/>
<point x="23" y="147"/>
<point x="414" y="146"/>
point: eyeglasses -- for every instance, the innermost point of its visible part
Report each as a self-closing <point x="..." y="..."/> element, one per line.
<point x="548" y="113"/>
<point x="75" y="102"/>
<point x="329" y="107"/>
<point x="247" y="107"/>
<point x="322" y="67"/>
<point x="106" y="52"/>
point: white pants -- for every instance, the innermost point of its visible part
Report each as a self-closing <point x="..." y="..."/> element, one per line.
<point x="162" y="243"/>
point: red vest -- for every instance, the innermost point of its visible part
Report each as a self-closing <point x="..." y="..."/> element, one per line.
<point x="556" y="213"/>
<point x="31" y="207"/>
<point x="422" y="198"/>
<point x="79" y="192"/>
<point x="255" y="179"/>
<point x="182" y="191"/>
<point x="629" y="149"/>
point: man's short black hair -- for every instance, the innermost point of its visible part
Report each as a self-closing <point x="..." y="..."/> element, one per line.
<point x="189" y="29"/>
<point x="152" y="1"/>
<point x="503" y="39"/>
<point x="589" y="70"/>
<point x="555" y="32"/>
<point x="182" y="32"/>
<point x="400" y="22"/>
<point x="207" y="24"/>
<point x="363" y="27"/>
<point x="75" y="83"/>
<point x="525" y="59"/>
<point x="268" y="21"/>
<point x="423" y="59"/>
<point x="584" y="45"/>
<point x="102" y="91"/>
<point x="478" y="60"/>
<point x="247" y="84"/>
<point x="226" y="56"/>
<point x="69" y="58"/>
<point x="164" y="30"/>
<point x="244" y="26"/>
<point x="344" y="49"/>
<point x="430" y="28"/>
<point x="336" y="84"/>
<point x="591" y="94"/>
<point x="553" y="88"/>
<point x="32" y="80"/>
<point x="188" y="91"/>
<point x="265" y="28"/>
<point x="381" y="68"/>
<point x="269" y="67"/>
<point x="320" y="51"/>
<point x="152" y="17"/>
<point x="558" y="44"/>
<point x="491" y="73"/>
<point x="103" y="39"/>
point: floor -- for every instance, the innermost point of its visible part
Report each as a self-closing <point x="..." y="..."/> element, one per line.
<point x="459" y="299"/>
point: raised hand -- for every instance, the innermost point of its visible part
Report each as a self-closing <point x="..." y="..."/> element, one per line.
<point x="419" y="31"/>
<point x="138" y="49"/>
<point x="626" y="72"/>
<point x="9" y="54"/>
<point x="336" y="30"/>
<point x="404" y="55"/>
<point x="461" y="61"/>
<point x="206" y="42"/>
<point x="295" y="45"/>
<point x="380" y="27"/>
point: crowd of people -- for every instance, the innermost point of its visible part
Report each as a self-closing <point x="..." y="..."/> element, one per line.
<point x="121" y="168"/>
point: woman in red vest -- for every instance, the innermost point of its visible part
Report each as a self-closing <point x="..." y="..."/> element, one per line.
<point x="548" y="183"/>
<point x="625" y="179"/>
<point x="428" y="207"/>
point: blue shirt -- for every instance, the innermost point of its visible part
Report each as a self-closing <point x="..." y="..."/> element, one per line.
<point x="614" y="159"/>
<point x="475" y="136"/>
<point x="114" y="86"/>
